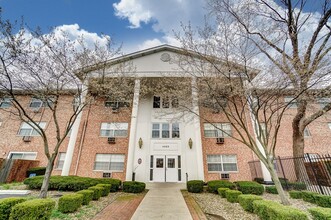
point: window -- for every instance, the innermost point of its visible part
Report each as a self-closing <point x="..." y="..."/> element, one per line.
<point x="116" y="104"/>
<point x="38" y="103"/>
<point x="60" y="161"/>
<point x="114" y="130"/>
<point x="112" y="162"/>
<point x="329" y="124"/>
<point x="306" y="132"/>
<point x="165" y="130"/>
<point x="323" y="102"/>
<point x="165" y="102"/>
<point x="23" y="155"/>
<point x="222" y="163"/>
<point x="27" y="130"/>
<point x="5" y="102"/>
<point x="292" y="101"/>
<point x="217" y="130"/>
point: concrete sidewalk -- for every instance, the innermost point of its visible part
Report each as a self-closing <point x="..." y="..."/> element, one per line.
<point x="163" y="201"/>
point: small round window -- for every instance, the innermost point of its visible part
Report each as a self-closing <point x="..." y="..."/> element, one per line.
<point x="165" y="57"/>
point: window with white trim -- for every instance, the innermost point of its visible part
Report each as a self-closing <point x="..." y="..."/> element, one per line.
<point x="165" y="130"/>
<point x="109" y="162"/>
<point x="60" y="160"/>
<point x="292" y="101"/>
<point x="23" y="155"/>
<point x="27" y="130"/>
<point x="38" y="103"/>
<point x="5" y="102"/>
<point x="165" y="102"/>
<point x="114" y="129"/>
<point x="222" y="163"/>
<point x="217" y="130"/>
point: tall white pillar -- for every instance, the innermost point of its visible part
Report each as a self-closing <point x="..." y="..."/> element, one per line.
<point x="73" y="136"/>
<point x="197" y="143"/>
<point x="133" y="129"/>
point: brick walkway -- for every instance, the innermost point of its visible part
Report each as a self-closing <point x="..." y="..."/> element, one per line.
<point x="122" y="208"/>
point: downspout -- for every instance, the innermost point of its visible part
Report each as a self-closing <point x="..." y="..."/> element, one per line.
<point x="82" y="138"/>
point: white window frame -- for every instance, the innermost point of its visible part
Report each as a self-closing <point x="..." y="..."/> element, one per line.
<point x="161" y="130"/>
<point x="33" y="130"/>
<point x="293" y="104"/>
<point x="120" y="159"/>
<point x="5" y="102"/>
<point x="10" y="155"/>
<point x="114" y="128"/>
<point x="60" y="160"/>
<point x="42" y="103"/>
<point x="214" y="127"/>
<point x="221" y="162"/>
<point x="166" y="102"/>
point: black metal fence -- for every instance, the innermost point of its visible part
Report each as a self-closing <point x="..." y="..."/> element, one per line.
<point x="312" y="171"/>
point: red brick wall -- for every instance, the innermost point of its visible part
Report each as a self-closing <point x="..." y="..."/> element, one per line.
<point x="19" y="168"/>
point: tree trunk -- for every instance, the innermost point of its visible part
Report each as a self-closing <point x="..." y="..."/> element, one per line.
<point x="298" y="147"/>
<point x="49" y="169"/>
<point x="284" y="199"/>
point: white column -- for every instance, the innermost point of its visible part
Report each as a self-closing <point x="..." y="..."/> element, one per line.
<point x="133" y="129"/>
<point x="197" y="144"/>
<point x="73" y="136"/>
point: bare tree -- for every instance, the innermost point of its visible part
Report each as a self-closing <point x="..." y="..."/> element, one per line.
<point x="48" y="67"/>
<point x="294" y="37"/>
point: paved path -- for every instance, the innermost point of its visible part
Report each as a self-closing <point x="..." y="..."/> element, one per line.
<point x="163" y="201"/>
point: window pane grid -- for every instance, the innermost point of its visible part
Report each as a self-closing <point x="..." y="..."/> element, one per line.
<point x="217" y="130"/>
<point x="27" y="130"/>
<point x="114" y="130"/>
<point x="220" y="163"/>
<point x="166" y="130"/>
<point x="107" y="162"/>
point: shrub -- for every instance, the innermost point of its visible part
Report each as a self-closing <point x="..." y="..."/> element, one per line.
<point x="250" y="187"/>
<point x="195" y="186"/>
<point x="7" y="204"/>
<point x="246" y="201"/>
<point x="36" y="209"/>
<point x="297" y="185"/>
<point x="319" y="213"/>
<point x="272" y="210"/>
<point x="215" y="184"/>
<point x="70" y="202"/>
<point x="271" y="189"/>
<point x="232" y="195"/>
<point x="39" y="171"/>
<point x="106" y="189"/>
<point x="259" y="180"/>
<point x="71" y="183"/>
<point x="295" y="194"/>
<point x="322" y="200"/>
<point x="309" y="196"/>
<point x="133" y="186"/>
<point x="97" y="192"/>
<point x="87" y="196"/>
<point x="221" y="192"/>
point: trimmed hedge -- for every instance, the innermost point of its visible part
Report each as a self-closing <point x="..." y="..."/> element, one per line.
<point x="7" y="204"/>
<point x="295" y="194"/>
<point x="319" y="213"/>
<point x="71" y="183"/>
<point x="267" y="209"/>
<point x="215" y="184"/>
<point x="133" y="186"/>
<point x="195" y="186"/>
<point x="309" y="196"/>
<point x="232" y="195"/>
<point x="87" y="196"/>
<point x="106" y="189"/>
<point x="36" y="209"/>
<point x="246" y="201"/>
<point x="70" y="202"/>
<point x="39" y="171"/>
<point x="250" y="187"/>
<point x="271" y="189"/>
<point x="221" y="192"/>
<point x="97" y="192"/>
<point x="322" y="200"/>
<point x="297" y="186"/>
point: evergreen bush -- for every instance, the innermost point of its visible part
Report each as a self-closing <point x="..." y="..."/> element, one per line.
<point x="195" y="186"/>
<point x="36" y="209"/>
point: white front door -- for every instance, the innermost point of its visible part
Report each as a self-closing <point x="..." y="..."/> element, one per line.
<point x="165" y="169"/>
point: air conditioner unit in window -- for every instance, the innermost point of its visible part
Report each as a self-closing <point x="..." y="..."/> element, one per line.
<point x="111" y="140"/>
<point x="219" y="140"/>
<point x="36" y="110"/>
<point x="224" y="176"/>
<point x="115" y="109"/>
<point x="106" y="175"/>
<point x="26" y="138"/>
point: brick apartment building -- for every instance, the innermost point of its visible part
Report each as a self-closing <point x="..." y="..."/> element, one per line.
<point x="122" y="138"/>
